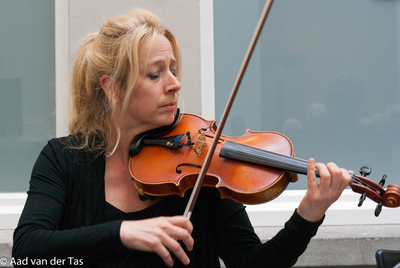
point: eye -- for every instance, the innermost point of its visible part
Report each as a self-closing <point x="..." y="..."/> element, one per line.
<point x="154" y="75"/>
<point x="173" y="71"/>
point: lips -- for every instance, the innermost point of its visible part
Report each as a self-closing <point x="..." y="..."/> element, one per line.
<point x="171" y="105"/>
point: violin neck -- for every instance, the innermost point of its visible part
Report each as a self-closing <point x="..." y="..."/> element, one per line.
<point x="245" y="153"/>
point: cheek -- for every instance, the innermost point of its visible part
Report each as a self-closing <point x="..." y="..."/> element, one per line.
<point x="138" y="95"/>
<point x="141" y="102"/>
<point x="139" y="106"/>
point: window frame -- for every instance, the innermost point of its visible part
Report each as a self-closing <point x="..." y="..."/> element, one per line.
<point x="62" y="66"/>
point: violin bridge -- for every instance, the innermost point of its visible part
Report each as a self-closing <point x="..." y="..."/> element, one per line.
<point x="200" y="143"/>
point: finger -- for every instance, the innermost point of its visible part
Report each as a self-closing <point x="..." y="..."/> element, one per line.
<point x="179" y="230"/>
<point x="178" y="233"/>
<point x="325" y="177"/>
<point x="336" y="176"/>
<point x="340" y="177"/>
<point x="347" y="178"/>
<point x="168" y="235"/>
<point x="312" y="178"/>
<point x="164" y="254"/>
<point x="187" y="239"/>
<point x="176" y="249"/>
<point x="182" y="222"/>
<point x="182" y="231"/>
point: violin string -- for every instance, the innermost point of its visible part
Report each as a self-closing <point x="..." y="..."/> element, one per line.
<point x="198" y="133"/>
<point x="293" y="162"/>
<point x="362" y="183"/>
<point x="354" y="178"/>
<point x="289" y="160"/>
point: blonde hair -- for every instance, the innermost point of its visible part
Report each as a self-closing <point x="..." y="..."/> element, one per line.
<point x="114" y="52"/>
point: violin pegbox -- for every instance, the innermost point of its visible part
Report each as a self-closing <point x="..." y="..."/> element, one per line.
<point x="374" y="191"/>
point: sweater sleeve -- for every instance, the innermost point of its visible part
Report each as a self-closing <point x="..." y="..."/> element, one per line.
<point x="44" y="230"/>
<point x="239" y="246"/>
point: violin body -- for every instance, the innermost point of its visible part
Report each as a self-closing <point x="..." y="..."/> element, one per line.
<point x="160" y="171"/>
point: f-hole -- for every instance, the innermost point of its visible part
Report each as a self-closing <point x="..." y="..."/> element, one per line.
<point x="178" y="171"/>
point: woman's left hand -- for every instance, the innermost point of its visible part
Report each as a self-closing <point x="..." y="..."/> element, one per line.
<point x="320" y="196"/>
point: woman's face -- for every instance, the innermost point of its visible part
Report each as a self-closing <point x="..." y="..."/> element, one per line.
<point x="154" y="99"/>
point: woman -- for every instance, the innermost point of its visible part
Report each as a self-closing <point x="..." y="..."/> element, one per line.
<point x="82" y="207"/>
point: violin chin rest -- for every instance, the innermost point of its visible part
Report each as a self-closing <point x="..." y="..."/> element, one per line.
<point x="136" y="146"/>
<point x="137" y="143"/>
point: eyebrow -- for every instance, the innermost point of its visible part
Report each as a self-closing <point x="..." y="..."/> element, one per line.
<point x="156" y="62"/>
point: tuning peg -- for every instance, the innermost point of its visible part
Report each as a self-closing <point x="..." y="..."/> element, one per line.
<point x="378" y="209"/>
<point x="382" y="181"/>
<point x="365" y="171"/>
<point x="362" y="198"/>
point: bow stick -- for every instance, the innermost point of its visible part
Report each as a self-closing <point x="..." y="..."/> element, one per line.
<point x="207" y="161"/>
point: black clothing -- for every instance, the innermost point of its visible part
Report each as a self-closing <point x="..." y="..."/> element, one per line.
<point x="66" y="217"/>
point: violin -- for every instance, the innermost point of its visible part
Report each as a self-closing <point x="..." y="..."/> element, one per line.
<point x="251" y="169"/>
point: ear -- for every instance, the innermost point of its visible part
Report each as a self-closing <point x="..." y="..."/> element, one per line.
<point x="104" y="82"/>
<point x="111" y="93"/>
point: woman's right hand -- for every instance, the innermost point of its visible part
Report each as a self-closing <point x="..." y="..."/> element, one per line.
<point x="159" y="235"/>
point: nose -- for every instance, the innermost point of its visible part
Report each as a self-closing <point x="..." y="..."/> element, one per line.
<point x="173" y="85"/>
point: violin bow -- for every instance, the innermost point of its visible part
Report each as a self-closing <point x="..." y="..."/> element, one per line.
<point x="200" y="179"/>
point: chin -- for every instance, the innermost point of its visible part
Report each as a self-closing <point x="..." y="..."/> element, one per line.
<point x="170" y="119"/>
<point x="166" y="120"/>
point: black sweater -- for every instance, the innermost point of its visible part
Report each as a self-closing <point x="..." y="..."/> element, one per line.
<point x="65" y="220"/>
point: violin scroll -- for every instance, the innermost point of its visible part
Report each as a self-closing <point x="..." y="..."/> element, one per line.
<point x="391" y="196"/>
<point x="374" y="191"/>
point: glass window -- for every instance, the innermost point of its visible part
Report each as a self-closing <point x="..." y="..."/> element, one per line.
<point x="27" y="87"/>
<point x="325" y="74"/>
